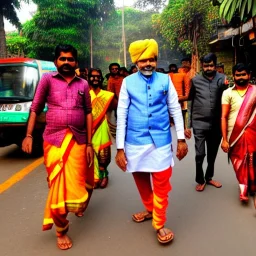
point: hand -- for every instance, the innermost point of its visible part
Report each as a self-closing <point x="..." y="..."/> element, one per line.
<point x="187" y="133"/>
<point x="182" y="150"/>
<point x="225" y="146"/>
<point x="121" y="160"/>
<point x="27" y="145"/>
<point x="89" y="155"/>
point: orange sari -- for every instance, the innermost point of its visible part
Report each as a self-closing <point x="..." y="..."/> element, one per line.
<point x="70" y="182"/>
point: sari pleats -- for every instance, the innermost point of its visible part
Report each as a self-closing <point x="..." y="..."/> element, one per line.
<point x="101" y="139"/>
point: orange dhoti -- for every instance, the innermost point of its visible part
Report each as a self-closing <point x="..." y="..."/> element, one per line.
<point x="70" y="182"/>
<point x="155" y="199"/>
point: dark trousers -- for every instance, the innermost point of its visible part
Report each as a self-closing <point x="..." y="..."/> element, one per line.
<point x="212" y="139"/>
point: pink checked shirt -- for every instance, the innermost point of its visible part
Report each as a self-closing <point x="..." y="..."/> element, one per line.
<point x="68" y="105"/>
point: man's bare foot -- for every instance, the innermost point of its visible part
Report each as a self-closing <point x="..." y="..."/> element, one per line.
<point x="64" y="242"/>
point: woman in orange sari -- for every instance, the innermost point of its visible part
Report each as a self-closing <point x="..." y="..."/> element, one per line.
<point x="101" y="139"/>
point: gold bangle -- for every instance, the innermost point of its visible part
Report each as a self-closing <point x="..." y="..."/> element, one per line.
<point x="30" y="136"/>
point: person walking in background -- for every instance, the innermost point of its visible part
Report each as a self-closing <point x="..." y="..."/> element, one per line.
<point x="189" y="73"/>
<point x="82" y="73"/>
<point x="205" y="93"/>
<point x="182" y="89"/>
<point x="114" y="82"/>
<point x="147" y="99"/>
<point x="101" y="139"/>
<point x="123" y="71"/>
<point x="172" y="69"/>
<point x="68" y="150"/>
<point x="238" y="124"/>
<point x="133" y="69"/>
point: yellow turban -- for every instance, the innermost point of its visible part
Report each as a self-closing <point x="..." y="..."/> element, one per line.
<point x="143" y="49"/>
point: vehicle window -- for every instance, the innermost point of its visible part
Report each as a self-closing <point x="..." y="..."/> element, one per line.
<point x="18" y="81"/>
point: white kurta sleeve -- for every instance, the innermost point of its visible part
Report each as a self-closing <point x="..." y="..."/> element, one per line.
<point x="175" y="110"/>
<point x="122" y="111"/>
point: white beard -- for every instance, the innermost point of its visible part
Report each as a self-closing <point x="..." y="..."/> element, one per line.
<point x="146" y="73"/>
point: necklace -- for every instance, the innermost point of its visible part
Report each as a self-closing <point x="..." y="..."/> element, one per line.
<point x="243" y="92"/>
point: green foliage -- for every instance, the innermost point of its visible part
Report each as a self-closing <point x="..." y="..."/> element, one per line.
<point x="56" y="22"/>
<point x="108" y="40"/>
<point x="64" y="21"/>
<point x="245" y="9"/>
<point x="186" y="21"/>
<point x="153" y="5"/>
<point x="16" y="44"/>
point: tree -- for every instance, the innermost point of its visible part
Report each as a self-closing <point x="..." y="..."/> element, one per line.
<point x="155" y="5"/>
<point x="8" y="11"/>
<point x="228" y="8"/>
<point x="108" y="41"/>
<point x="16" y="44"/>
<point x="62" y="21"/>
<point x="187" y="24"/>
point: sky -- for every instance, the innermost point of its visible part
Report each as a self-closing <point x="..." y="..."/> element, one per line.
<point x="25" y="13"/>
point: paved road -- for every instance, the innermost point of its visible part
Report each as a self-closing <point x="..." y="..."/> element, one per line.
<point x="209" y="223"/>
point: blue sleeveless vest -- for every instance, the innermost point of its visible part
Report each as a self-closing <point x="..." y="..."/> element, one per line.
<point x="148" y="119"/>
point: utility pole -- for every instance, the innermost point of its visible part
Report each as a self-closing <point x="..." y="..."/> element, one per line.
<point x="123" y="36"/>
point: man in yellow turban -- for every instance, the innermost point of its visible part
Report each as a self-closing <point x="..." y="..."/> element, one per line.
<point x="146" y="101"/>
<point x="143" y="49"/>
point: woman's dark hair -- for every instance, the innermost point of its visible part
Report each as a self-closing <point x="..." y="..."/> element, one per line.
<point x="65" y="48"/>
<point x="98" y="70"/>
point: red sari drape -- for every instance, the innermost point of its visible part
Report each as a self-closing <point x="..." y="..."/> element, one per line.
<point x="243" y="141"/>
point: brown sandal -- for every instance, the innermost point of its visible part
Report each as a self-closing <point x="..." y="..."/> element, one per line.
<point x="214" y="183"/>
<point x="164" y="235"/>
<point x="141" y="216"/>
<point x="200" y="187"/>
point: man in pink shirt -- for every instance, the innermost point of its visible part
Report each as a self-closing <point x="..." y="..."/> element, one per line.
<point x="67" y="137"/>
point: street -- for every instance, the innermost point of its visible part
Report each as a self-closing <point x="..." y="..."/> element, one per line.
<point x="212" y="222"/>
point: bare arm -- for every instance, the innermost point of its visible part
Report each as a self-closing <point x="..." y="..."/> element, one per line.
<point x="224" y="127"/>
<point x="28" y="140"/>
<point x="89" y="139"/>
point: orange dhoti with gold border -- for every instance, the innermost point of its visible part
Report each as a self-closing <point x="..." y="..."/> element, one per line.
<point x="70" y="182"/>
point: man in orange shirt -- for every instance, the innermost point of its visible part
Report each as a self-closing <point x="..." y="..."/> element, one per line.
<point x="114" y="83"/>
<point x="181" y="87"/>
<point x="189" y="73"/>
